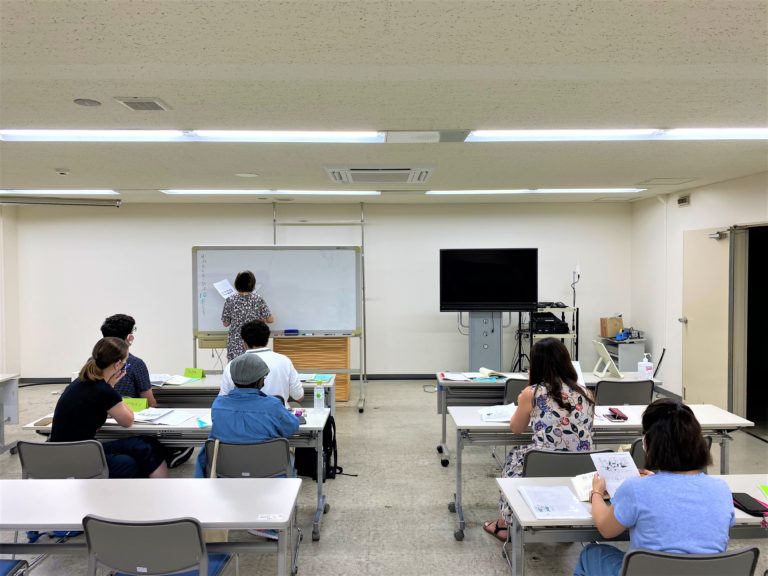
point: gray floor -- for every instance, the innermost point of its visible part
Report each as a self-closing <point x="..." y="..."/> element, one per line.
<point x="392" y="518"/>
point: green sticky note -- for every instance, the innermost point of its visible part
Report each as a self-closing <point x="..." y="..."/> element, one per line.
<point x="194" y="373"/>
<point x="136" y="404"/>
<point x="764" y="488"/>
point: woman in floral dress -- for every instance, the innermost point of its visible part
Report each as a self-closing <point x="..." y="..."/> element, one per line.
<point x="560" y="413"/>
<point x="241" y="308"/>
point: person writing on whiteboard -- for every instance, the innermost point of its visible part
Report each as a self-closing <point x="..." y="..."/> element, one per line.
<point x="679" y="509"/>
<point x="282" y="380"/>
<point x="560" y="413"/>
<point x="91" y="398"/>
<point x="241" y="308"/>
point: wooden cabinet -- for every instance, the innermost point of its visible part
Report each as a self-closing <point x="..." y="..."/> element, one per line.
<point x="316" y="355"/>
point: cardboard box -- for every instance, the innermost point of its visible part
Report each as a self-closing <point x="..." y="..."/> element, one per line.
<point x="611" y="326"/>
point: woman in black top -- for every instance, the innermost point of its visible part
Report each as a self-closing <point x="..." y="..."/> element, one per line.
<point x="90" y="399"/>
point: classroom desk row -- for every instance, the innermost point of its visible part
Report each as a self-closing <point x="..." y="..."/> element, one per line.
<point x="193" y="432"/>
<point x="525" y="528"/>
<point x="487" y="393"/>
<point x="201" y="393"/>
<point x="262" y="503"/>
<point x="470" y="429"/>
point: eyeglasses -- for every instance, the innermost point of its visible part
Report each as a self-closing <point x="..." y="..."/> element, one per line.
<point x="134" y="330"/>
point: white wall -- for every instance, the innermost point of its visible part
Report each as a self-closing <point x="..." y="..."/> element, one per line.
<point x="657" y="256"/>
<point x="9" y="316"/>
<point x="78" y="265"/>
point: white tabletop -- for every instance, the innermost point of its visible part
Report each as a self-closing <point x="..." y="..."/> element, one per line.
<point x="235" y="503"/>
<point x="213" y="382"/>
<point x="709" y="416"/>
<point x="509" y="486"/>
<point x="6" y="377"/>
<point x="589" y="378"/>
<point x="315" y="417"/>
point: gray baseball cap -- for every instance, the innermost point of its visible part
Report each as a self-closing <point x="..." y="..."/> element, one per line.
<point x="247" y="369"/>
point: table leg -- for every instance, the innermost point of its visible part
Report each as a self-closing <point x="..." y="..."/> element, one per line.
<point x="282" y="551"/>
<point x="516" y="549"/>
<point x="442" y="448"/>
<point x="3" y="447"/>
<point x="322" y="506"/>
<point x="459" y="533"/>
<point x="724" y="454"/>
<point x="332" y="400"/>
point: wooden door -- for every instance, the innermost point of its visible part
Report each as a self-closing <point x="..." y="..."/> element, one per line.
<point x="705" y="318"/>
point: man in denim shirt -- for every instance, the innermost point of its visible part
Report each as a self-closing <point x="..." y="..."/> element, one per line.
<point x="246" y="415"/>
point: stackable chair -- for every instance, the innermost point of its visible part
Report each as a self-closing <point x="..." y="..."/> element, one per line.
<point x="14" y="568"/>
<point x="741" y="562"/>
<point x="268" y="459"/>
<point x="543" y="463"/>
<point x="60" y="460"/>
<point x="612" y="392"/>
<point x="149" y="548"/>
<point x="512" y="389"/>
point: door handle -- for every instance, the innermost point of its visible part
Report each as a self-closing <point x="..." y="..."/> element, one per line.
<point x="683" y="320"/>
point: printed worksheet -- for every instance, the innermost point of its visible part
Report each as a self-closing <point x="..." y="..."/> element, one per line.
<point x="224" y="288"/>
<point x="614" y="467"/>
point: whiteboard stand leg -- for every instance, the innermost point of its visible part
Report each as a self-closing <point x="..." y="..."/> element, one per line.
<point x="194" y="352"/>
<point x="361" y="397"/>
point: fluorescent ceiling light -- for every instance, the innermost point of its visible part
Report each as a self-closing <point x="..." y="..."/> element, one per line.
<point x="290" y="136"/>
<point x="617" y="135"/>
<point x="536" y="191"/>
<point x="59" y="192"/>
<point x="716" y="134"/>
<point x="274" y="136"/>
<point x="92" y="135"/>
<point x="558" y="135"/>
<point x="275" y="192"/>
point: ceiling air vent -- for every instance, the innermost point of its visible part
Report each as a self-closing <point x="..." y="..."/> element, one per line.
<point x="379" y="175"/>
<point x="142" y="104"/>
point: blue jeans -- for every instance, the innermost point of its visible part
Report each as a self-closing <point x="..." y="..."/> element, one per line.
<point x="599" y="560"/>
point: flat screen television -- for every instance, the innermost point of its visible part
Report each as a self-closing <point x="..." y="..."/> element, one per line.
<point x="489" y="279"/>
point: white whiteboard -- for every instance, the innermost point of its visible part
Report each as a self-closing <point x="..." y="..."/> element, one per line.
<point x="313" y="289"/>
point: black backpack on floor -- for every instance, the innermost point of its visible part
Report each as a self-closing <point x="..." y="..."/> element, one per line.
<point x="306" y="458"/>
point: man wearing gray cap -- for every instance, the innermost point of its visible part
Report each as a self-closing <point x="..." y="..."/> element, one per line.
<point x="246" y="415"/>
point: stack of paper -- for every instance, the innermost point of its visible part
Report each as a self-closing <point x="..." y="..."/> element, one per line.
<point x="163" y="416"/>
<point x="553" y="502"/>
<point x="614" y="467"/>
<point x="316" y="378"/>
<point x="177" y="380"/>
<point x="502" y="413"/>
<point x="159" y="379"/>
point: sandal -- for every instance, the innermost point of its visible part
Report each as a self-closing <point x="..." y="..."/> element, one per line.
<point x="493" y="528"/>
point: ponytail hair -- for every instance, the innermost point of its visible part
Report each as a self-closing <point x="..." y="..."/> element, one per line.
<point x="106" y="352"/>
<point x="551" y="367"/>
<point x="673" y="438"/>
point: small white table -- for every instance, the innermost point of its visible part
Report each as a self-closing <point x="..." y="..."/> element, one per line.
<point x="201" y="393"/>
<point x="526" y="528"/>
<point x="192" y="433"/>
<point x="9" y="406"/>
<point x="263" y="503"/>
<point x="486" y="393"/>
<point x="470" y="429"/>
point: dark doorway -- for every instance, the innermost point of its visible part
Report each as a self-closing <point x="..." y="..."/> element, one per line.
<point x="757" y="331"/>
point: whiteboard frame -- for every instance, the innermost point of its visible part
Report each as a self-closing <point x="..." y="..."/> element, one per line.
<point x="359" y="308"/>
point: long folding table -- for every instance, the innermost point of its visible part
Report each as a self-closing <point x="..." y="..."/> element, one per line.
<point x="240" y="503"/>
<point x="525" y="528"/>
<point x="194" y="432"/>
<point x="470" y="429"/>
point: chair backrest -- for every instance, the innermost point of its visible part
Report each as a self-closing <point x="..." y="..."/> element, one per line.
<point x="610" y="392"/>
<point x="543" y="463"/>
<point x="741" y="562"/>
<point x="638" y="451"/>
<point x="57" y="460"/>
<point x="263" y="460"/>
<point x="512" y="389"/>
<point x="145" y="548"/>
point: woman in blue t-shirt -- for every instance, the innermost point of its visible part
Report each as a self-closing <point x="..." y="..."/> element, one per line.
<point x="679" y="509"/>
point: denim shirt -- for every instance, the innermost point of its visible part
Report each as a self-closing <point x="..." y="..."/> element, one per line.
<point x="247" y="416"/>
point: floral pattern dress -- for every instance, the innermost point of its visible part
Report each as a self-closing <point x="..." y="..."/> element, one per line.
<point x="555" y="429"/>
<point x="239" y="309"/>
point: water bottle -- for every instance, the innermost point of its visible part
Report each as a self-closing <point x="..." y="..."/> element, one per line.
<point x="319" y="397"/>
<point x="645" y="367"/>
